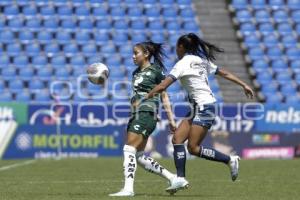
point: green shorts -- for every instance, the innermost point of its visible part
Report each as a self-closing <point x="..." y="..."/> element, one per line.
<point x="142" y="123"/>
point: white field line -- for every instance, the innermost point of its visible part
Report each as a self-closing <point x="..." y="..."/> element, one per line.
<point x="8" y="167"/>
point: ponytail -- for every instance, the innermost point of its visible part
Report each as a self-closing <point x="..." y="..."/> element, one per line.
<point x="156" y="51"/>
<point x="196" y="46"/>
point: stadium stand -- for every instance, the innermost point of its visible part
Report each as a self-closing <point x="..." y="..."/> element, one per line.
<point x="43" y="41"/>
<point x="270" y="40"/>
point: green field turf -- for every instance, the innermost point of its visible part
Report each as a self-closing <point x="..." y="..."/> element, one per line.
<point x="94" y="179"/>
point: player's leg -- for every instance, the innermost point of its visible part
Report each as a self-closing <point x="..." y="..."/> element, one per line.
<point x="151" y="165"/>
<point x="129" y="163"/>
<point x="179" y="155"/>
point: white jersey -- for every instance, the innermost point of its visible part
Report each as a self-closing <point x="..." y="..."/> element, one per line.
<point x="192" y="72"/>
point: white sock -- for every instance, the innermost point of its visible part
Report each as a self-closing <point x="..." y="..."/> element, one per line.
<point x="153" y="166"/>
<point x="129" y="165"/>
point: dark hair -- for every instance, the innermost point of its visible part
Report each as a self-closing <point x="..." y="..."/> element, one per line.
<point x="196" y="46"/>
<point x="155" y="50"/>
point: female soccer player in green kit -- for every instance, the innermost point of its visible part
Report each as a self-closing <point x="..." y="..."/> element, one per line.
<point x="144" y="116"/>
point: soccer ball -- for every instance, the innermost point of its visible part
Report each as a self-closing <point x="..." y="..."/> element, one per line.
<point x="97" y="73"/>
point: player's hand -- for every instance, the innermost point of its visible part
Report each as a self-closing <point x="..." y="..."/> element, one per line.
<point x="248" y="91"/>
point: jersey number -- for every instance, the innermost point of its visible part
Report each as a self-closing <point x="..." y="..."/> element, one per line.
<point x="138" y="81"/>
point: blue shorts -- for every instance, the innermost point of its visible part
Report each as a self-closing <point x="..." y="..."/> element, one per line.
<point x="203" y="115"/>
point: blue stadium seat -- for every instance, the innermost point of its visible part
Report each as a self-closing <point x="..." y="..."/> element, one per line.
<point x="297" y="78"/>
<point x="33" y="24"/>
<point x="152" y="12"/>
<point x="89" y="50"/>
<point x="149" y="2"/>
<point x="23" y="96"/>
<point x="44" y="37"/>
<point x="260" y="65"/>
<point x="186" y="13"/>
<point x="2" y="22"/>
<point x="58" y="61"/>
<point x="288" y="90"/>
<point x="276" y="4"/>
<point x="70" y="49"/>
<point x="135" y="12"/>
<point x="295" y="65"/>
<point x="297" y="29"/>
<point x="274" y="53"/>
<point x="51" y="49"/>
<point x="4" y="60"/>
<point x="239" y="4"/>
<point x="266" y="28"/>
<point x="35" y="85"/>
<point x="280" y="16"/>
<point x="247" y="29"/>
<point x="26" y="37"/>
<point x="120" y="24"/>
<point x="94" y="59"/>
<point x="20" y="61"/>
<point x="64" y="11"/>
<point x="279" y="65"/>
<point x="77" y="62"/>
<point x="26" y="73"/>
<point x="6" y="37"/>
<point x="29" y="11"/>
<point x="119" y="38"/>
<point x="100" y="12"/>
<point x="284" y="29"/>
<point x="82" y="37"/>
<point x="41" y="2"/>
<point x="113" y="62"/>
<point x="256" y="53"/>
<point x="252" y="40"/>
<point x="283" y="78"/>
<point x="103" y="24"/>
<point x="293" y="4"/>
<point x="270" y="88"/>
<point x="295" y="15"/>
<point x="6" y="97"/>
<point x="289" y="40"/>
<point x="190" y="26"/>
<point x="262" y="16"/>
<point x="47" y="11"/>
<point x="159" y="38"/>
<point x="293" y="53"/>
<point x="82" y="12"/>
<point x="273" y="98"/>
<point x="13" y="49"/>
<point x="63" y="37"/>
<point x="117" y="11"/>
<point x="137" y="38"/>
<point x="258" y="4"/>
<point x="131" y="2"/>
<point x="294" y="99"/>
<point x="39" y="61"/>
<point x="62" y="73"/>
<point x="68" y="24"/>
<point x="243" y="16"/>
<point x="8" y="73"/>
<point x="125" y="50"/>
<point x="101" y="37"/>
<point x="11" y="10"/>
<point x="86" y="24"/>
<point x="50" y="24"/>
<point x="16" y="85"/>
<point x="173" y="25"/>
<point x="42" y="96"/>
<point x="170" y="13"/>
<point x="6" y="2"/>
<point x="265" y="77"/>
<point x="138" y="24"/>
<point x="108" y="49"/>
<point x="44" y="73"/>
<point x="15" y="24"/>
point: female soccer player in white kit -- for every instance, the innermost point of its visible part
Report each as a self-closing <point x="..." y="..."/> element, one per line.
<point x="192" y="70"/>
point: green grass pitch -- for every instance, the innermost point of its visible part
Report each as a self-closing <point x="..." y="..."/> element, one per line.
<point x="94" y="179"/>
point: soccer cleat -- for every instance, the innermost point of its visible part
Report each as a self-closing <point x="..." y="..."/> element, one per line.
<point x="177" y="183"/>
<point x="234" y="167"/>
<point x="122" y="193"/>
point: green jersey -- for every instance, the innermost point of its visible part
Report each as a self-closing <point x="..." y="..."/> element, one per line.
<point x="143" y="82"/>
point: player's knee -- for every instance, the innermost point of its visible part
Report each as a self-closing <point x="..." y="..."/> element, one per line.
<point x="193" y="150"/>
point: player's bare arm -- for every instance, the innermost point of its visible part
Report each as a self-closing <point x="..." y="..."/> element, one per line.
<point x="229" y="76"/>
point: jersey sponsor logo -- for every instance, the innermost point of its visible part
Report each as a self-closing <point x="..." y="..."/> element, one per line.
<point x="136" y="127"/>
